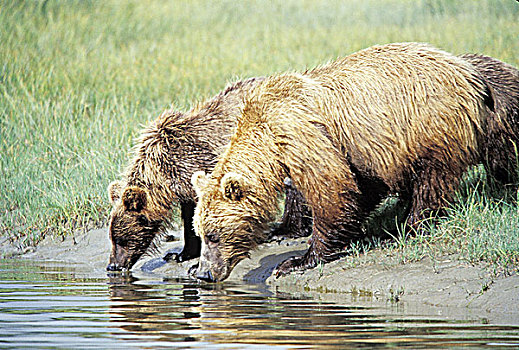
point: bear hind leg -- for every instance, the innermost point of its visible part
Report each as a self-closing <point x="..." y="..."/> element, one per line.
<point x="501" y="162"/>
<point x="432" y="189"/>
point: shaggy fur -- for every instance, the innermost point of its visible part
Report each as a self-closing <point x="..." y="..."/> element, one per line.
<point x="399" y="118"/>
<point x="166" y="154"/>
<point x="499" y="151"/>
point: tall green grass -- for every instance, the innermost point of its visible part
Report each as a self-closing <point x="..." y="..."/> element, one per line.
<point x="78" y="78"/>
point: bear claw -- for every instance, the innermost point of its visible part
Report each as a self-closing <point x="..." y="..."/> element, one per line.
<point x="181" y="256"/>
<point x="296" y="263"/>
<point x="178" y="257"/>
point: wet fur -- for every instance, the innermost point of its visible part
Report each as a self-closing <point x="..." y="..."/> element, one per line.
<point x="499" y="149"/>
<point x="165" y="156"/>
<point x="399" y="118"/>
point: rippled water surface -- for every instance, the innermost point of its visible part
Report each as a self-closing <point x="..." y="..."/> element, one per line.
<point x="52" y="305"/>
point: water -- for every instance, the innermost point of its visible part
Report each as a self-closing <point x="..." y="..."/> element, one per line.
<point x="53" y="305"/>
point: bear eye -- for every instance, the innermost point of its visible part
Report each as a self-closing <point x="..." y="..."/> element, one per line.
<point x="213" y="238"/>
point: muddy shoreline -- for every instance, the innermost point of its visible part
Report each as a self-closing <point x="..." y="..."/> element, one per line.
<point x="444" y="284"/>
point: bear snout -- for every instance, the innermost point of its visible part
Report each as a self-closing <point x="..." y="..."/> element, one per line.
<point x="205" y="275"/>
<point x="113" y="267"/>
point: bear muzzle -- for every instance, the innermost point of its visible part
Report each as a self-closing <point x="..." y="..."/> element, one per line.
<point x="204" y="271"/>
<point x="114" y="267"/>
<point x="119" y="261"/>
<point x="205" y="275"/>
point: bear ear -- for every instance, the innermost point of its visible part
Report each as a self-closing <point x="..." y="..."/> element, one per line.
<point x="114" y="191"/>
<point x="233" y="186"/>
<point x="199" y="181"/>
<point x="134" y="198"/>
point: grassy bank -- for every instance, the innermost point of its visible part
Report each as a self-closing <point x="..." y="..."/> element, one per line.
<point x="478" y="229"/>
<point x="78" y="78"/>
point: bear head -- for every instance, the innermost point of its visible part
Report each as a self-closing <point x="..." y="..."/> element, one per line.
<point x="132" y="225"/>
<point x="229" y="220"/>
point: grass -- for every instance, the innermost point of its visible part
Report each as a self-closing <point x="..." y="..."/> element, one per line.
<point x="482" y="225"/>
<point x="79" y="78"/>
<point x="477" y="228"/>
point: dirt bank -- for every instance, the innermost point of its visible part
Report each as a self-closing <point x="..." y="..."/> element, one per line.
<point x="445" y="282"/>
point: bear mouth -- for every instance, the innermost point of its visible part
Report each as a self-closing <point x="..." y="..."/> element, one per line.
<point x="115" y="268"/>
<point x="122" y="272"/>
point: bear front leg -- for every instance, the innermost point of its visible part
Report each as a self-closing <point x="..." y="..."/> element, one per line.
<point x="192" y="244"/>
<point x="328" y="182"/>
<point x="322" y="250"/>
<point x="297" y="217"/>
<point x="330" y="236"/>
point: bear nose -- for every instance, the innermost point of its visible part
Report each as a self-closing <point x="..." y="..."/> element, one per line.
<point x="113" y="267"/>
<point x="205" y="276"/>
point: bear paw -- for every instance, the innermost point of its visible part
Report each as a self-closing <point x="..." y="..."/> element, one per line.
<point x="180" y="257"/>
<point x="296" y="263"/>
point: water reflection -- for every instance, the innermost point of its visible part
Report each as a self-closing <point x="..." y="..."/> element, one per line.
<point x="181" y="311"/>
<point x="152" y="309"/>
<point x="51" y="306"/>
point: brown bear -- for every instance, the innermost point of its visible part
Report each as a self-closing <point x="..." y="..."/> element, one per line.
<point x="498" y="149"/>
<point x="401" y="118"/>
<point x="500" y="146"/>
<point x="157" y="179"/>
<point x="166" y="154"/>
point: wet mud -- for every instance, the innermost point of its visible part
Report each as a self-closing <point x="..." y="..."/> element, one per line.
<point x="444" y="282"/>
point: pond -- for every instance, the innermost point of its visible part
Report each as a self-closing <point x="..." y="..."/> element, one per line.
<point x="57" y="305"/>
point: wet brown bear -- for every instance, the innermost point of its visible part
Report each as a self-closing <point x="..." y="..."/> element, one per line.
<point x="401" y="118"/>
<point x="158" y="178"/>
<point x="500" y="146"/>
